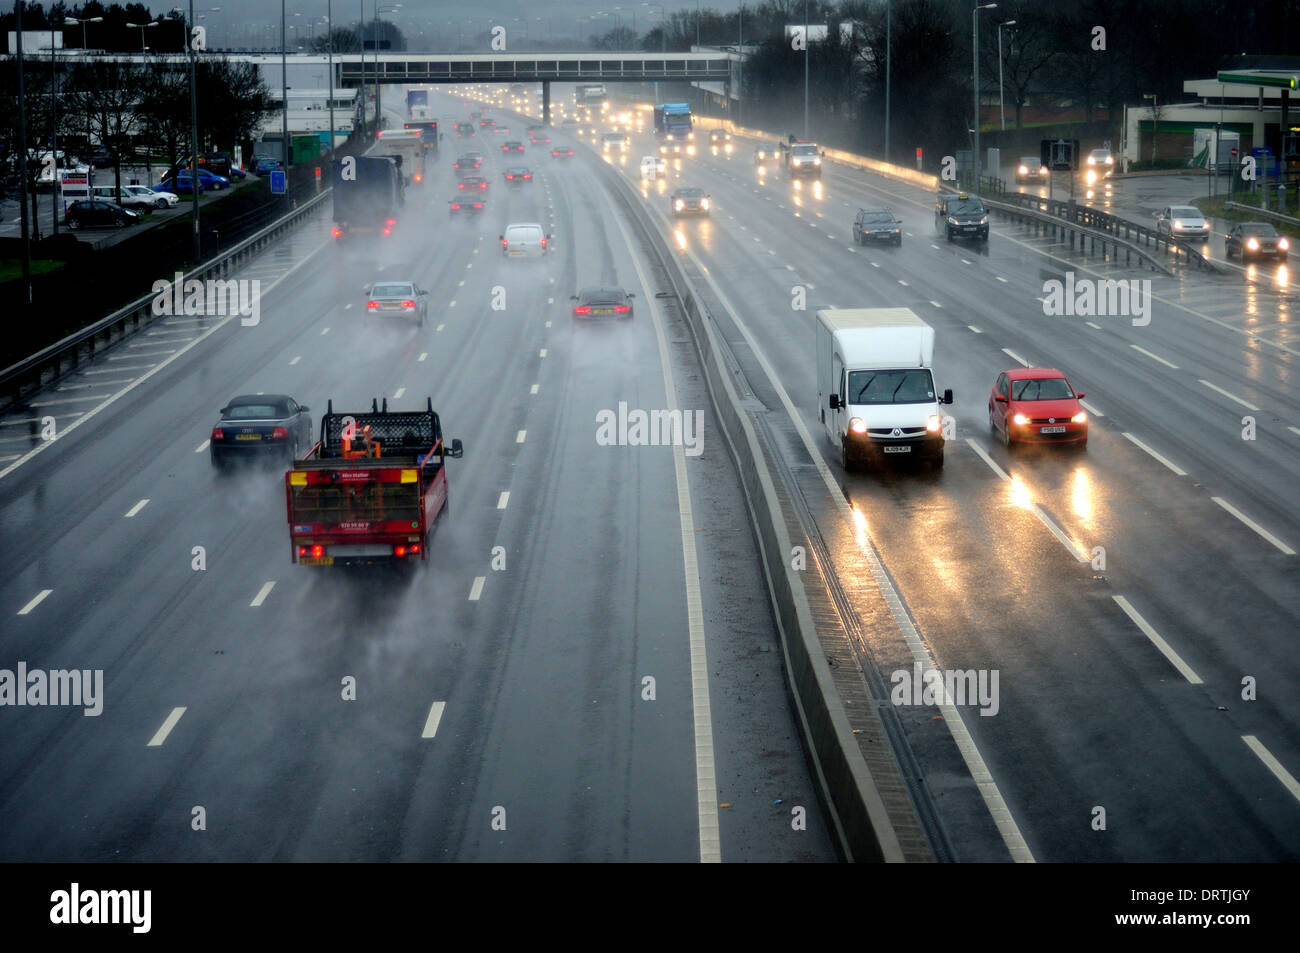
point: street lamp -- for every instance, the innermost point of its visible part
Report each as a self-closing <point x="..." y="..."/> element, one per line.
<point x="1002" y="109"/>
<point x="975" y="72"/>
<point x="374" y="35"/>
<point x="143" y="27"/>
<point x="889" y="52"/>
<point x="329" y="21"/>
<point x="73" y="21"/>
<point x="805" y="68"/>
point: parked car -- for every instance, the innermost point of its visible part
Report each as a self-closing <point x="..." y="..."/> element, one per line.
<point x="135" y="196"/>
<point x="96" y="213"/>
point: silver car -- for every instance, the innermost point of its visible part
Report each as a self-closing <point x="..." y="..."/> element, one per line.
<point x="397" y="298"/>
<point x="1182" y="221"/>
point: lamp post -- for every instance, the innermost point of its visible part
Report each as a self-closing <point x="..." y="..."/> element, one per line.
<point x="975" y="74"/>
<point x="1002" y="109"/>
<point x="889" y="52"/>
<point x="805" y="68"/>
<point x="284" y="93"/>
<point x="73" y="21"/>
<point x="329" y="25"/>
<point x="194" y="139"/>
<point x="143" y="27"/>
<point x="56" y="187"/>
<point x="374" y="35"/>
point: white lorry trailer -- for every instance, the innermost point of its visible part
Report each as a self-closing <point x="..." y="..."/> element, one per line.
<point x="876" y="395"/>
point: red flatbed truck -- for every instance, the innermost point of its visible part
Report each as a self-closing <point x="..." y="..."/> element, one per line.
<point x="371" y="490"/>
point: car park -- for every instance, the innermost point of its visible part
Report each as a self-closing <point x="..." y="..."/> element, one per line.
<point x="1031" y="169"/>
<point x="274" y="427"/>
<point x="602" y="303"/>
<point x="1255" y="240"/>
<point x="96" y="213"/>
<point x="1036" y="405"/>
<point x="524" y="240"/>
<point x="1182" y="221"/>
<point x="877" y="226"/>
<point x="135" y="196"/>
<point x="398" y="298"/>
<point x="689" y="201"/>
<point x="961" y="214"/>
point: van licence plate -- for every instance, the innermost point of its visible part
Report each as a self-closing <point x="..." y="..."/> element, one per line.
<point x="903" y="449"/>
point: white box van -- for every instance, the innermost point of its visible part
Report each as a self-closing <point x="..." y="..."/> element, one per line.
<point x="876" y="396"/>
<point x="524" y="240"/>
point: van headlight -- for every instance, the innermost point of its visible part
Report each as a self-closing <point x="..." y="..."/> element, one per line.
<point x="933" y="423"/>
<point x="858" y="425"/>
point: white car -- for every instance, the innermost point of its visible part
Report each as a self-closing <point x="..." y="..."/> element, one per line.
<point x="524" y="240"/>
<point x="652" y="166"/>
<point x="136" y="196"/>
<point x="1182" y="221"/>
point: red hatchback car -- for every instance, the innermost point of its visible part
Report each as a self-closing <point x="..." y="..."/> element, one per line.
<point x="1036" y="405"/>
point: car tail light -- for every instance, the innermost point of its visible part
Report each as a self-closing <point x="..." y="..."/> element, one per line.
<point x="408" y="304"/>
<point x="527" y="176"/>
<point x="504" y="243"/>
<point x="418" y="177"/>
<point x="478" y="204"/>
<point x="543" y="242"/>
<point x="388" y="230"/>
<point x="337" y="231"/>
<point x="372" y="305"/>
<point x="582" y="309"/>
<point x="455" y="205"/>
<point x="217" y="434"/>
<point x="622" y="308"/>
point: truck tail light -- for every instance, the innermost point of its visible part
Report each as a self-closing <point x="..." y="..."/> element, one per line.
<point x="315" y="552"/>
<point x="279" y="433"/>
<point x="399" y="550"/>
<point x="543" y="242"/>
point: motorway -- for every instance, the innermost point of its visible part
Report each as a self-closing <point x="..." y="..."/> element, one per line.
<point x="504" y="684"/>
<point x="1148" y="703"/>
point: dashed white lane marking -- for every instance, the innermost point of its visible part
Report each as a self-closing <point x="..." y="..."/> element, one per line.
<point x="423" y="355"/>
<point x="1069" y="544"/>
<point x="1282" y="774"/>
<point x="262" y="594"/>
<point x="431" y="722"/>
<point x="1015" y="357"/>
<point x="1091" y="409"/>
<point x="1177" y="470"/>
<point x="36" y="601"/>
<point x="998" y="277"/>
<point x="1219" y="390"/>
<point x="1183" y="668"/>
<point x="1154" y="357"/>
<point x="542" y="353"/>
<point x="476" y="590"/>
<point x="936" y="304"/>
<point x="975" y="329"/>
<point x="324" y="331"/>
<point x="136" y="509"/>
<point x="397" y="394"/>
<point x="533" y="389"/>
<point x="1091" y="325"/>
<point x="295" y="360"/>
<point x="439" y="328"/>
<point x="503" y="499"/>
<point x="1294" y="430"/>
<point x="519" y="437"/>
<point x="165" y="729"/>
<point x="1253" y="525"/>
<point x="903" y="283"/>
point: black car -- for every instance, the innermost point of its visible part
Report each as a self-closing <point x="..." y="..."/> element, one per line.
<point x="467" y="165"/>
<point x="91" y="213"/>
<point x="466" y="205"/>
<point x="260" y="427"/>
<point x="689" y="201"/>
<point x="518" y="175"/>
<point x="877" y="225"/>
<point x="961" y="214"/>
<point x="602" y="303"/>
<point x="1255" y="240"/>
<point x="561" y="152"/>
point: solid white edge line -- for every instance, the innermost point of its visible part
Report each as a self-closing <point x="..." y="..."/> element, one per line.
<point x="706" y="780"/>
<point x="1132" y="439"/>
<point x="1245" y="403"/>
<point x="1183" y="668"/>
<point x="36" y="601"/>
<point x="431" y="722"/>
<point x="975" y="764"/>
<point x="165" y="729"/>
<point x="1253" y="525"/>
<point x="1282" y="774"/>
